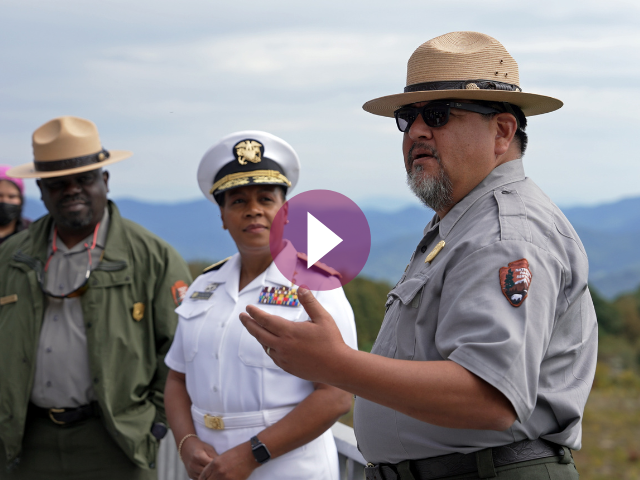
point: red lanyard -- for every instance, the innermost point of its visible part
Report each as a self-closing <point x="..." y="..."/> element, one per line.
<point x="86" y="245"/>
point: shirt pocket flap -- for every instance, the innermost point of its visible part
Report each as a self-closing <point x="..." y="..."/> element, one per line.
<point x="192" y="309"/>
<point x="408" y="289"/>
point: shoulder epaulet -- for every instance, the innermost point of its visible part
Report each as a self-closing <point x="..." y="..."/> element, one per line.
<point x="215" y="266"/>
<point x="326" y="269"/>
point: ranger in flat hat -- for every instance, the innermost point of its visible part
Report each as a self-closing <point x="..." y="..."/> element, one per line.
<point x="86" y="317"/>
<point x="487" y="352"/>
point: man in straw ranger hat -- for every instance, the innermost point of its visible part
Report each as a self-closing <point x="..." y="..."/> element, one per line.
<point x="87" y="303"/>
<point x="487" y="352"/>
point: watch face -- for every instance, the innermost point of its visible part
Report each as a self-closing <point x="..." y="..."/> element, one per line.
<point x="261" y="453"/>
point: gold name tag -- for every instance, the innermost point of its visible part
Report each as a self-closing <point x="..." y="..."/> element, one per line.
<point x="434" y="253"/>
<point x="9" y="299"/>
<point x="214" y="423"/>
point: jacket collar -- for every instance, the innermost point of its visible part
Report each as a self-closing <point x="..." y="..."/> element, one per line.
<point x="273" y="273"/>
<point x="509" y="172"/>
<point x="116" y="248"/>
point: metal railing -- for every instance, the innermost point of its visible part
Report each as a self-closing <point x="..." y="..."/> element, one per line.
<point x="351" y="462"/>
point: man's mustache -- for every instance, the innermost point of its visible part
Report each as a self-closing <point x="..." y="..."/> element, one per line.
<point x="423" y="146"/>
<point x="76" y="198"/>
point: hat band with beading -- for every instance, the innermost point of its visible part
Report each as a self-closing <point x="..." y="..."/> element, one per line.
<point x="463" y="85"/>
<point x="67" y="163"/>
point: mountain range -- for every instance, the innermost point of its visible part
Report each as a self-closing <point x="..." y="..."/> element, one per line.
<point x="610" y="233"/>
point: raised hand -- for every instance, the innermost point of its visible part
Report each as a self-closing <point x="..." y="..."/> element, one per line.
<point x="310" y="350"/>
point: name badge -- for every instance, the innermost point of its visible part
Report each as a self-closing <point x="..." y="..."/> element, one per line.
<point x="9" y="299"/>
<point x="208" y="292"/>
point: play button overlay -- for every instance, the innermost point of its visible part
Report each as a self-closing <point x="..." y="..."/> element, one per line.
<point x="320" y="239"/>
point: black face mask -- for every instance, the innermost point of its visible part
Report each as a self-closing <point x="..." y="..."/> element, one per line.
<point x="9" y="212"/>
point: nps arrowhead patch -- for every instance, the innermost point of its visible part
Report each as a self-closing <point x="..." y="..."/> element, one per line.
<point x="178" y="291"/>
<point x="515" y="280"/>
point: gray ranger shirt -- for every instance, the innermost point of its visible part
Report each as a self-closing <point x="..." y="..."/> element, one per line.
<point x="62" y="378"/>
<point x="507" y="299"/>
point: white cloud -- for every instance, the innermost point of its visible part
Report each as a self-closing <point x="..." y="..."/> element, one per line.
<point x="167" y="80"/>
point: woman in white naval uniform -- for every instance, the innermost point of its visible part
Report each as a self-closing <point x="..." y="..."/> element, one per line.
<point x="234" y="413"/>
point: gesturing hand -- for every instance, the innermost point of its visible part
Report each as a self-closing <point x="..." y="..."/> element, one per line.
<point x="310" y="350"/>
<point x="196" y="455"/>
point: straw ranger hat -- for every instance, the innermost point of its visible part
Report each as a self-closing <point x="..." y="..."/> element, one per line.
<point x="65" y="146"/>
<point x="463" y="65"/>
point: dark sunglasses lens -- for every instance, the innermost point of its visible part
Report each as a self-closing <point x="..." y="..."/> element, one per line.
<point x="404" y="119"/>
<point x="436" y="115"/>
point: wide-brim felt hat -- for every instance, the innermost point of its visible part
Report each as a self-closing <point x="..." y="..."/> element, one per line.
<point x="66" y="146"/>
<point x="466" y="66"/>
<point x="249" y="157"/>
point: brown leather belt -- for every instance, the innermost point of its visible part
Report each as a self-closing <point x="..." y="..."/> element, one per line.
<point x="65" y="416"/>
<point x="460" y="464"/>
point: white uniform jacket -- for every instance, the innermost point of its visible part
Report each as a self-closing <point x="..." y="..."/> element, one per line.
<point x="228" y="373"/>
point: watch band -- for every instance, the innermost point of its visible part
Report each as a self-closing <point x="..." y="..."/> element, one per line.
<point x="260" y="451"/>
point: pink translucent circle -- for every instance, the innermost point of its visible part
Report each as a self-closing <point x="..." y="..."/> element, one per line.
<point x="288" y="239"/>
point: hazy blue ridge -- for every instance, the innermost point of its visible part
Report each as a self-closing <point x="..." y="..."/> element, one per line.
<point x="610" y="234"/>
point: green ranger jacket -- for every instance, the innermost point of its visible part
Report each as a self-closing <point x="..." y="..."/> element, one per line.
<point x="129" y="317"/>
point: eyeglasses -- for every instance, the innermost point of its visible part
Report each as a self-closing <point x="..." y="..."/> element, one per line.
<point x="435" y="114"/>
<point x="77" y="292"/>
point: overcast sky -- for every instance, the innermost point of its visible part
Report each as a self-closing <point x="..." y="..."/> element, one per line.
<point x="168" y="79"/>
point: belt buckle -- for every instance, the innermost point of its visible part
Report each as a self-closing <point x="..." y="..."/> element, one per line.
<point x="214" y="423"/>
<point x="56" y="410"/>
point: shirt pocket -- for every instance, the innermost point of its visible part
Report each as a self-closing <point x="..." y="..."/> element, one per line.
<point x="192" y="318"/>
<point x="397" y="338"/>
<point x="250" y="351"/>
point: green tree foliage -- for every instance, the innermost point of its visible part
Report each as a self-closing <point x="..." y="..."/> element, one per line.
<point x="508" y="281"/>
<point x="609" y="318"/>
<point x="367" y="298"/>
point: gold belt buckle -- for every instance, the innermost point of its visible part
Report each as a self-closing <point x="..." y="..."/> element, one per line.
<point x="56" y="410"/>
<point x="214" y="423"/>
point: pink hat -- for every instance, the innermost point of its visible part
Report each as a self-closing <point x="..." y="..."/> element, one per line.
<point x="17" y="181"/>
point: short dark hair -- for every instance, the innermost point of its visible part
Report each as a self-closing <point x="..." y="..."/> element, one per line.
<point x="520" y="135"/>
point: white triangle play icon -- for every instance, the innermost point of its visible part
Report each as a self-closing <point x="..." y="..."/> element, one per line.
<point x="320" y="240"/>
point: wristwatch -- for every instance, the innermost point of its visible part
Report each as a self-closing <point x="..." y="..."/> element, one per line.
<point x="260" y="451"/>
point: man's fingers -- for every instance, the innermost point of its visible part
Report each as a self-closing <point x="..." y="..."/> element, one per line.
<point x="271" y="323"/>
<point x="255" y="329"/>
<point x="312" y="306"/>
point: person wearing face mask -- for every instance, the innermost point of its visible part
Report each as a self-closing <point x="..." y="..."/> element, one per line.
<point x="11" y="202"/>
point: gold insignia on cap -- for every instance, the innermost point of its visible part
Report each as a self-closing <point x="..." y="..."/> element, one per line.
<point x="138" y="311"/>
<point x="248" y="151"/>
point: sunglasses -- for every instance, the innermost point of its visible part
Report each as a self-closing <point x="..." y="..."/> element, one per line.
<point x="435" y="114"/>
